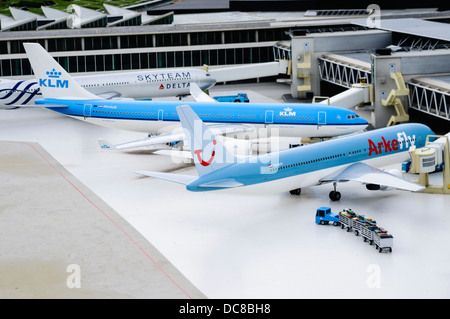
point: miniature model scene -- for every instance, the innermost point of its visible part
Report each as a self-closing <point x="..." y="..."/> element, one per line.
<point x="167" y="151"/>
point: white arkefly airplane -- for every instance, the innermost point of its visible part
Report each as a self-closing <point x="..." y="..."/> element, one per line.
<point x="123" y="85"/>
<point x="350" y="158"/>
<point x="66" y="96"/>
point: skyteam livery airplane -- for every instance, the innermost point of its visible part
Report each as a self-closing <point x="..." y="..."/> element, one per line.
<point x="351" y="158"/>
<point x="132" y="85"/>
<point x="64" y="95"/>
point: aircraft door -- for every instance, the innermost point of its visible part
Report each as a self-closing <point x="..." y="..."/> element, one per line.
<point x="269" y="117"/>
<point x="160" y="115"/>
<point x="87" y="110"/>
<point x="321" y="118"/>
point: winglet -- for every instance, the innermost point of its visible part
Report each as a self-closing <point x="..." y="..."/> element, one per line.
<point x="105" y="145"/>
<point x="53" y="80"/>
<point x="208" y="152"/>
<point x="199" y="95"/>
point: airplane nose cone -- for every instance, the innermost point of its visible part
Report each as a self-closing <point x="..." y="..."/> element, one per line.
<point x="362" y="124"/>
<point x="363" y="121"/>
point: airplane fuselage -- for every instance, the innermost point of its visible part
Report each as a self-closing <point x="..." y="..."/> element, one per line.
<point x="306" y="165"/>
<point x="135" y="85"/>
<point x="296" y="120"/>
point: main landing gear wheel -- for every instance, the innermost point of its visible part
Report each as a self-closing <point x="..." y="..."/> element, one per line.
<point x="335" y="195"/>
<point x="296" y="191"/>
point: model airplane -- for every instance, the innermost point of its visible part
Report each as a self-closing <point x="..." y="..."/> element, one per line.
<point x="337" y="160"/>
<point x="124" y="85"/>
<point x="64" y="95"/>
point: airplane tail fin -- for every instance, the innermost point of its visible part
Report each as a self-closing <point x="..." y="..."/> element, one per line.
<point x="54" y="81"/>
<point x="208" y="152"/>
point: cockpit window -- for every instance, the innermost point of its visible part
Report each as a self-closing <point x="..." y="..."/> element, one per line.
<point x="352" y="116"/>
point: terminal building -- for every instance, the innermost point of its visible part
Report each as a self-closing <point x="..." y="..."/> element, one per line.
<point x="402" y="55"/>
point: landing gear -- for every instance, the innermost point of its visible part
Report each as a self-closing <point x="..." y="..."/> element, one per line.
<point x="296" y="191"/>
<point x="335" y="195"/>
<point x="176" y="145"/>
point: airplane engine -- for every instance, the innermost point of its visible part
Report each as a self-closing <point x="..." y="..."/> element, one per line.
<point x="376" y="187"/>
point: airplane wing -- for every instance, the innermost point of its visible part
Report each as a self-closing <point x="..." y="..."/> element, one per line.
<point x="161" y="139"/>
<point x="222" y="129"/>
<point x="175" y="153"/>
<point x="367" y="174"/>
<point x="175" y="137"/>
<point x="109" y="95"/>
<point x="199" y="95"/>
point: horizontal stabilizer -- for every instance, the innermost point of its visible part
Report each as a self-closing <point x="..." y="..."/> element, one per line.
<point x="224" y="183"/>
<point x="363" y="173"/>
<point x="188" y="154"/>
<point x="176" y="178"/>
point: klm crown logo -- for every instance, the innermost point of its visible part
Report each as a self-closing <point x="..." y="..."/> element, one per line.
<point x="53" y="80"/>
<point x="53" y="74"/>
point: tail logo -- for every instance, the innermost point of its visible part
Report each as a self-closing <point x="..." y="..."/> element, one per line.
<point x="28" y="92"/>
<point x="53" y="81"/>
<point x="200" y="159"/>
<point x="53" y="74"/>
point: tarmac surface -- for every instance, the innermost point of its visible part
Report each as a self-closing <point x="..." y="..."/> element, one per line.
<point x="60" y="240"/>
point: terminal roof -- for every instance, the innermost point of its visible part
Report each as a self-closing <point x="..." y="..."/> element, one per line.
<point x="413" y="26"/>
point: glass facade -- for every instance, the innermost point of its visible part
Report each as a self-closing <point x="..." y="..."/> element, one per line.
<point x="182" y="49"/>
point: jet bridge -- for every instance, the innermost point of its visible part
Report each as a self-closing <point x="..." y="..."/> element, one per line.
<point x="430" y="158"/>
<point x="344" y="70"/>
<point x="431" y="95"/>
<point x="352" y="71"/>
<point x="249" y="71"/>
<point x="399" y="59"/>
<point x="357" y="94"/>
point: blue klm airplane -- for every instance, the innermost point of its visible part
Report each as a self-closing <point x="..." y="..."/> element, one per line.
<point x="342" y="159"/>
<point x="64" y="95"/>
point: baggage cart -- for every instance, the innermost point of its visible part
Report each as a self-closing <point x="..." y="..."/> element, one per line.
<point x="368" y="233"/>
<point x="346" y="218"/>
<point x="383" y="240"/>
<point x="367" y="228"/>
<point x="359" y="222"/>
